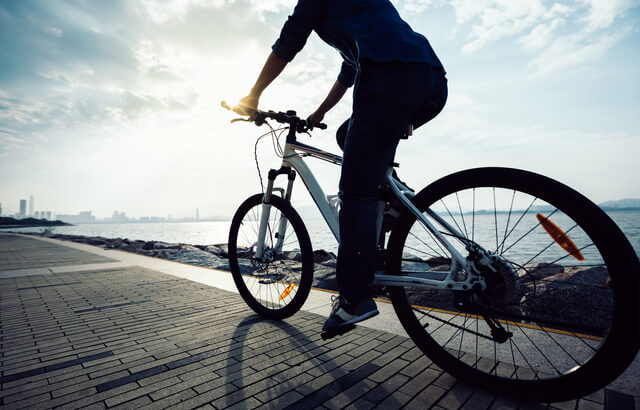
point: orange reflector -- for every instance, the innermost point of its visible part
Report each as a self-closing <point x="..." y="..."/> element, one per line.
<point x="288" y="290"/>
<point x="560" y="237"/>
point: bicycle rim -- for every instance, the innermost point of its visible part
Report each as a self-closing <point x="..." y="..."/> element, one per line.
<point x="554" y="291"/>
<point x="276" y="284"/>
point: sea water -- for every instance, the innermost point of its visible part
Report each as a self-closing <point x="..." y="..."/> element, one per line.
<point x="207" y="233"/>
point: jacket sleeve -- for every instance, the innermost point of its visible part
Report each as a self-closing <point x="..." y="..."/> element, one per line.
<point x="347" y="74"/>
<point x="297" y="28"/>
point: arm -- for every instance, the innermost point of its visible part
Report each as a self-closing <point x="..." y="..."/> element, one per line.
<point x="335" y="95"/>
<point x="272" y="68"/>
<point x="292" y="39"/>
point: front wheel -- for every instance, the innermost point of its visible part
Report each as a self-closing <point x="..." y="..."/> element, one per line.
<point x="276" y="284"/>
<point x="559" y="317"/>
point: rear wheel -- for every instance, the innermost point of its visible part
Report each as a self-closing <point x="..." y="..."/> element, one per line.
<point x="559" y="316"/>
<point x="276" y="284"/>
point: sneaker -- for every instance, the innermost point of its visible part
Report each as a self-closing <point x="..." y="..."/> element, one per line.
<point x="345" y="313"/>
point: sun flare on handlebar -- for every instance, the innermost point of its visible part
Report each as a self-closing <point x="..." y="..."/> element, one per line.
<point x="239" y="108"/>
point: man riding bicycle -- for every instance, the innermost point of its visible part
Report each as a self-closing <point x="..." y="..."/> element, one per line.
<point x="399" y="82"/>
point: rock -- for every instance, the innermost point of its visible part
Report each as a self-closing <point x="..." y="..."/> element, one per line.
<point x="294" y="256"/>
<point x="324" y="278"/>
<point x="184" y="247"/>
<point x="216" y="250"/>
<point x="321" y="256"/>
<point x="224" y="249"/>
<point x="165" y="245"/>
<point x="243" y="253"/>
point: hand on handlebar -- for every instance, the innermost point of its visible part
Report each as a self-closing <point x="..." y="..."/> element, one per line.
<point x="246" y="106"/>
<point x="315" y="118"/>
<point x="259" y="117"/>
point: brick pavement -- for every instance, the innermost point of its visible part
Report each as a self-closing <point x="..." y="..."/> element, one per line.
<point x="136" y="338"/>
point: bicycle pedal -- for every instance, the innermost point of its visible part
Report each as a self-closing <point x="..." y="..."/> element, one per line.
<point x="337" y="331"/>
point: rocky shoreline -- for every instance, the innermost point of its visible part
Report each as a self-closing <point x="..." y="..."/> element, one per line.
<point x="208" y="256"/>
<point x="8" y="222"/>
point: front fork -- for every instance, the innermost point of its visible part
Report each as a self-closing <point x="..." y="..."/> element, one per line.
<point x="266" y="211"/>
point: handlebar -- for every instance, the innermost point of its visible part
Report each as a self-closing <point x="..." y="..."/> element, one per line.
<point x="289" y="117"/>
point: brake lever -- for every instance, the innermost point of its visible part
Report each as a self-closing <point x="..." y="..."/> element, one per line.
<point x="240" y="119"/>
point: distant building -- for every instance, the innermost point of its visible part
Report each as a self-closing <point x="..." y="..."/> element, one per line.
<point x="84" y="217"/>
<point x="23" y="208"/>
<point x="197" y="214"/>
<point x="119" y="217"/>
<point x="0" y="209"/>
<point x="151" y="219"/>
<point x="31" y="205"/>
<point x="47" y="215"/>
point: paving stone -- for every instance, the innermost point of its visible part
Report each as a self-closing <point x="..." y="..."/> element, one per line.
<point x="531" y="406"/>
<point x="597" y="396"/>
<point x="426" y="398"/>
<point x="69" y="398"/>
<point x="389" y="370"/>
<point x="171" y="400"/>
<point x="502" y="403"/>
<point x="617" y="400"/>
<point x="140" y="401"/>
<point x="282" y="401"/>
<point x="28" y="401"/>
<point x="380" y="392"/>
<point x="455" y="397"/>
<point x="418" y="383"/>
<point x="360" y="404"/>
<point x="565" y="405"/>
<point x="446" y="381"/>
<point x="417" y="366"/>
<point x="132" y="394"/>
<point x="350" y="395"/>
<point x="396" y="400"/>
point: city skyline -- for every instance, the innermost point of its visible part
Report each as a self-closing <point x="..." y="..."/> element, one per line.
<point x="120" y="216"/>
<point x="87" y="215"/>
<point x="116" y="105"/>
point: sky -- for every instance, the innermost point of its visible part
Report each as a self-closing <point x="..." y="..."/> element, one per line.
<point x="116" y="105"/>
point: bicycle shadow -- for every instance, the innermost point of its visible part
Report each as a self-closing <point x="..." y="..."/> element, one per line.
<point x="286" y="364"/>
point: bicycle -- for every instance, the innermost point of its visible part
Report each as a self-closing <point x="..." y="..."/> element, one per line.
<point x="541" y="306"/>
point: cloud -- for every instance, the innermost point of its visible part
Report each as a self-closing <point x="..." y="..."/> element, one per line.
<point x="75" y="62"/>
<point x="497" y="19"/>
<point x="602" y="13"/>
<point x="547" y="29"/>
<point x="415" y="6"/>
<point x="572" y="50"/>
<point x="163" y="11"/>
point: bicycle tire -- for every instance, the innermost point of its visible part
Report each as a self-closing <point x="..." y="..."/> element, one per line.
<point x="278" y="288"/>
<point x="600" y="323"/>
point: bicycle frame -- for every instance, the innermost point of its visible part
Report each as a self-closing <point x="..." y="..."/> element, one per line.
<point x="294" y="152"/>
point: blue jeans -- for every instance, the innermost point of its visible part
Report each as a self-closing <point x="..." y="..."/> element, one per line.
<point x="387" y="97"/>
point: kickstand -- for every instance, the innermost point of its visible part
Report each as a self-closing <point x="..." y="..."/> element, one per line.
<point x="337" y="331"/>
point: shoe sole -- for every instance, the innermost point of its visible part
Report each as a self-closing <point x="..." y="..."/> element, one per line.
<point x="356" y="319"/>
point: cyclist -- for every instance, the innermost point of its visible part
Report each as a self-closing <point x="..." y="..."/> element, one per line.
<point x="399" y="82"/>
